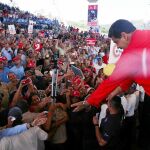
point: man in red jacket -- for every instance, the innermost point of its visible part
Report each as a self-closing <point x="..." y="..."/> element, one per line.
<point x="131" y="67"/>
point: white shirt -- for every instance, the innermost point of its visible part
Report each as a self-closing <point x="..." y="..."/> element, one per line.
<point x="98" y="67"/>
<point x="131" y="104"/>
<point x="105" y="106"/>
<point x="31" y="139"/>
<point x="124" y="103"/>
<point x="142" y="92"/>
<point x="19" y="71"/>
<point x="102" y="113"/>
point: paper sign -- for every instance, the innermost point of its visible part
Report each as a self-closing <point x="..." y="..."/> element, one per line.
<point x="12" y="29"/>
<point x="30" y="29"/>
<point x="90" y="41"/>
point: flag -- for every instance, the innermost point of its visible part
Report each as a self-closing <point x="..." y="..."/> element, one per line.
<point x="90" y="41"/>
<point x="114" y="54"/>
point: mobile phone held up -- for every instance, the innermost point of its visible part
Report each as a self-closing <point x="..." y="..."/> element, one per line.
<point x="26" y="81"/>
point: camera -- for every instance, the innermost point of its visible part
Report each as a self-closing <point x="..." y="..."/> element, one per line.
<point x="55" y="58"/>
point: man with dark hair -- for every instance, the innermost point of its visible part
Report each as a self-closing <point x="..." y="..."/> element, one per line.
<point x="108" y="133"/>
<point x="120" y="26"/>
<point x="131" y="67"/>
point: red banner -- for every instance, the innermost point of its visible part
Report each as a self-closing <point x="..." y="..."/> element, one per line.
<point x="90" y="41"/>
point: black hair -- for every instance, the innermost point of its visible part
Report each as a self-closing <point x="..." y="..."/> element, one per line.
<point x="29" y="70"/>
<point x="116" y="103"/>
<point x="17" y="113"/>
<point x="30" y="98"/>
<point x="120" y="26"/>
<point x="23" y="105"/>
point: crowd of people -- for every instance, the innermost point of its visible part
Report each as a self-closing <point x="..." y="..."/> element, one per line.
<point x="31" y="119"/>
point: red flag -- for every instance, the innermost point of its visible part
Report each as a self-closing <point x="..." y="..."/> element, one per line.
<point x="37" y="47"/>
<point x="90" y="41"/>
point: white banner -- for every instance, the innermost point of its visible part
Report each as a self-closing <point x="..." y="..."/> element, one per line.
<point x="31" y="22"/>
<point x="114" y="54"/>
<point x="30" y="29"/>
<point x="12" y="29"/>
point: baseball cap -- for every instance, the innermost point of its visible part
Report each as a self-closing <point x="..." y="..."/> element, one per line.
<point x="4" y="58"/>
<point x="15" y="112"/>
<point x="16" y="58"/>
<point x="1" y="59"/>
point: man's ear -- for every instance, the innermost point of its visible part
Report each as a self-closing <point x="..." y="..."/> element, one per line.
<point x="124" y="35"/>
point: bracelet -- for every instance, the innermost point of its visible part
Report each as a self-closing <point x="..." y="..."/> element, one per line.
<point x="96" y="125"/>
<point x="31" y="125"/>
<point x="28" y="125"/>
<point x="85" y="102"/>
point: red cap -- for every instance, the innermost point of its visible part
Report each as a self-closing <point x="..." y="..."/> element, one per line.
<point x="31" y="65"/>
<point x="86" y="69"/>
<point x="20" y="45"/>
<point x="16" y="58"/>
<point x="4" y="58"/>
<point x="75" y="78"/>
<point x="78" y="81"/>
<point x="1" y="59"/>
<point x="86" y="86"/>
<point x="60" y="62"/>
<point x="76" y="94"/>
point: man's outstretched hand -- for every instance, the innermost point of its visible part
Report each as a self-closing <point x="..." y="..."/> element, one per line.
<point x="79" y="106"/>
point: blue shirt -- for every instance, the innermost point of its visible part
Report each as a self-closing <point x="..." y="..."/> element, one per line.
<point x="3" y="75"/>
<point x="19" y="71"/>
<point x="13" y="131"/>
<point x="7" y="53"/>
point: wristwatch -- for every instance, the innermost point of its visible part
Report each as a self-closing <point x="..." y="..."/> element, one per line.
<point x="29" y="125"/>
<point x="85" y="103"/>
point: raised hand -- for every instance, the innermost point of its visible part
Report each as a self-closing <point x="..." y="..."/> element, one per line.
<point x="79" y="106"/>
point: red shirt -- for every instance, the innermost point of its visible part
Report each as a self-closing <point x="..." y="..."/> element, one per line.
<point x="133" y="66"/>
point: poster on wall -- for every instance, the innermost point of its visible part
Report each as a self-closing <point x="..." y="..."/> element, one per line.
<point x="92" y="15"/>
<point x="30" y="29"/>
<point x="12" y="29"/>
